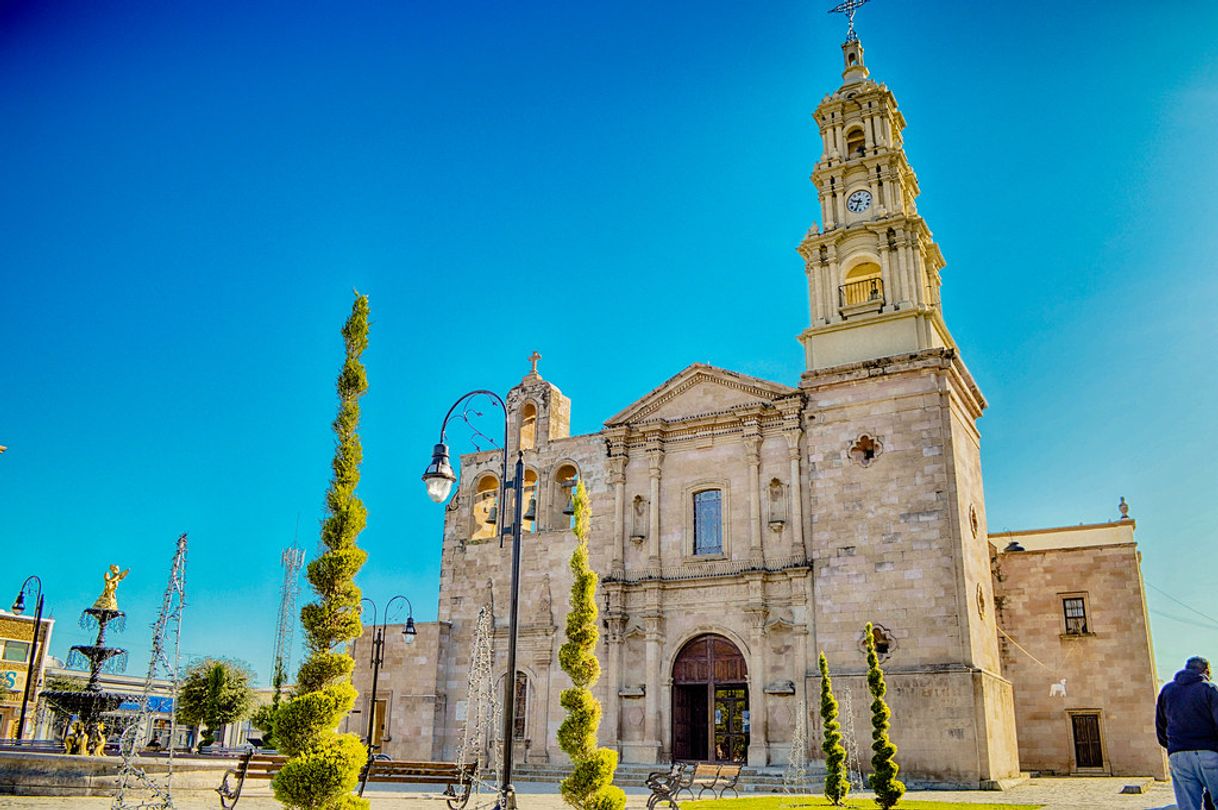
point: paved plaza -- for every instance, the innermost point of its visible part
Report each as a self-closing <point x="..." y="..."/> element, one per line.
<point x="1054" y="794"/>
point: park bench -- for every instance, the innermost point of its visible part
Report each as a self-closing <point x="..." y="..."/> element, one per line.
<point x="665" y="784"/>
<point x="709" y="776"/>
<point x="265" y="766"/>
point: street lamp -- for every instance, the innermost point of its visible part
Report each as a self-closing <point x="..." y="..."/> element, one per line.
<point x="378" y="651"/>
<point x="439" y="478"/>
<point x="30" y="674"/>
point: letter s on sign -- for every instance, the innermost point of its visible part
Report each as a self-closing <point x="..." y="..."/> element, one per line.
<point x="10" y="679"/>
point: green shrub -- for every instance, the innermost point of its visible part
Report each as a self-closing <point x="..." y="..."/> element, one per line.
<point x="837" y="781"/>
<point x="883" y="780"/>
<point x="590" y="785"/>
<point x="324" y="765"/>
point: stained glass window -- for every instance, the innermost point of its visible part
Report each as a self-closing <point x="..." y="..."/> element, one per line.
<point x="708" y="522"/>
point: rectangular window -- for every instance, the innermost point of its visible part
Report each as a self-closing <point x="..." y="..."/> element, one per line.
<point x="16" y="651"/>
<point x="708" y="522"/>
<point x="1075" y="610"/>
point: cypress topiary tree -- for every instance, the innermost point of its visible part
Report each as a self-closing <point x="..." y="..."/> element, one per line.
<point x="323" y="766"/>
<point x="837" y="781"/>
<point x="590" y="785"/>
<point x="888" y="789"/>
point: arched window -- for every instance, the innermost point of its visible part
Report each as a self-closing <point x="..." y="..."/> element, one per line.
<point x="862" y="285"/>
<point x="528" y="426"/>
<point x="485" y="512"/>
<point x="528" y="522"/>
<point x="856" y="143"/>
<point x="562" y="498"/>
<point x="522" y="706"/>
<point x="708" y="522"/>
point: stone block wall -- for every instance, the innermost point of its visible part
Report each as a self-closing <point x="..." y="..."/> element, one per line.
<point x="1109" y="670"/>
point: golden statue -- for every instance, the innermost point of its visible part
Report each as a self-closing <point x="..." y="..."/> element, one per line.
<point x="74" y="733"/>
<point x="99" y="742"/>
<point x="108" y="600"/>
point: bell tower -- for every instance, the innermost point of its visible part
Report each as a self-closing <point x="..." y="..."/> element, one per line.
<point x="872" y="265"/>
<point x="894" y="450"/>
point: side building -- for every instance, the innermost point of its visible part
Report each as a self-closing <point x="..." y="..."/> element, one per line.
<point x="1076" y="646"/>
<point x="16" y="669"/>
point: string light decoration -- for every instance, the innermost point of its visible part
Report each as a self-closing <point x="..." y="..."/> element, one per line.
<point x="137" y="789"/>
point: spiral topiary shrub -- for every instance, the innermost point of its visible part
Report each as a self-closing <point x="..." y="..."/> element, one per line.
<point x="323" y="766"/>
<point x="590" y="785"/>
<point x="883" y="780"/>
<point x="837" y="781"/>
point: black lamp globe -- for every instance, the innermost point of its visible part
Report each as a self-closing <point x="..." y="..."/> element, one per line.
<point x="439" y="475"/>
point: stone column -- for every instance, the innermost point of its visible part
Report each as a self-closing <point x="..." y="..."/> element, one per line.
<point x="611" y="729"/>
<point x="752" y="455"/>
<point x="890" y="292"/>
<point x="617" y="477"/>
<point x="653" y="623"/>
<point x="909" y="284"/>
<point x="802" y="665"/>
<point x="655" y="461"/>
<point x="792" y="435"/>
<point x="759" y="744"/>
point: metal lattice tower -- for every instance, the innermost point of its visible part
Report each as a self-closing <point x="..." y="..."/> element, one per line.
<point x="136" y="788"/>
<point x="285" y="625"/>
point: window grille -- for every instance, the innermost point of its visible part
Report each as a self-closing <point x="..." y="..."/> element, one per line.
<point x="708" y="522"/>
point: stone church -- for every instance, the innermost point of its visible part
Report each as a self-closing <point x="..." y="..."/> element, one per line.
<point x="741" y="526"/>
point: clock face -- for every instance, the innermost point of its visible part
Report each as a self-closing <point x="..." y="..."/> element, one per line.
<point x="859" y="201"/>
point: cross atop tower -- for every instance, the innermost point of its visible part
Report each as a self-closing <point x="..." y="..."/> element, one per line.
<point x="533" y="358"/>
<point x="849" y="8"/>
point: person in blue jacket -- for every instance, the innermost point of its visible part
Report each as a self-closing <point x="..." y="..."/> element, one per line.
<point x="1186" y="722"/>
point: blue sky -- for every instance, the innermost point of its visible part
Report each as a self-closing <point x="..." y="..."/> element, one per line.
<point x="190" y="191"/>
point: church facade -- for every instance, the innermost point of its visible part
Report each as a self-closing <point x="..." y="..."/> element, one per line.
<point x="742" y="526"/>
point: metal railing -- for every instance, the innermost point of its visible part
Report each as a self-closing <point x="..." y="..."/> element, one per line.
<point x="867" y="291"/>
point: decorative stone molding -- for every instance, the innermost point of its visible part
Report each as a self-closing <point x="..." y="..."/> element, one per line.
<point x="780" y="688"/>
<point x="885" y="642"/>
<point x="866" y="450"/>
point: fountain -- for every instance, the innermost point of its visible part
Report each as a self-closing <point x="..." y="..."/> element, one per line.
<point x="87" y="734"/>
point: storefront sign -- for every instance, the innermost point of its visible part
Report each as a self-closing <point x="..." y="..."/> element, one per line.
<point x="12" y="680"/>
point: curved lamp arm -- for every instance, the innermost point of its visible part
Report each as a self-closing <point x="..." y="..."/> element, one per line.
<point x="439" y="476"/>
<point x="19" y="602"/>
<point x="369" y="601"/>
<point x="409" y="631"/>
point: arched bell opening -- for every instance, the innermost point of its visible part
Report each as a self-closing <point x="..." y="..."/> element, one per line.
<point x="710" y="701"/>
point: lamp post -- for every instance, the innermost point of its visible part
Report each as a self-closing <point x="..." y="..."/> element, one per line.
<point x="439" y="478"/>
<point x="378" y="651"/>
<point x="30" y="674"/>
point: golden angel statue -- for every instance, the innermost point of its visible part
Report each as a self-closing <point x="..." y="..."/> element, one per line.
<point x="108" y="600"/>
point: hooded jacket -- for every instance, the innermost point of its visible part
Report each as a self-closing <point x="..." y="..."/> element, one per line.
<point x="1186" y="716"/>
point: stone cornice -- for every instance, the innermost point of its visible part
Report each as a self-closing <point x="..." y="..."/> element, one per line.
<point x="693" y="375"/>
<point x="946" y="360"/>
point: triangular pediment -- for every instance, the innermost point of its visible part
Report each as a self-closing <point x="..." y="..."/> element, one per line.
<point x="701" y="390"/>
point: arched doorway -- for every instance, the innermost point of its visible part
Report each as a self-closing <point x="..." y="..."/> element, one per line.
<point x="710" y="702"/>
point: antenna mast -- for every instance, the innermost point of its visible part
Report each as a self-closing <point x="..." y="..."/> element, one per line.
<point x="285" y="626"/>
